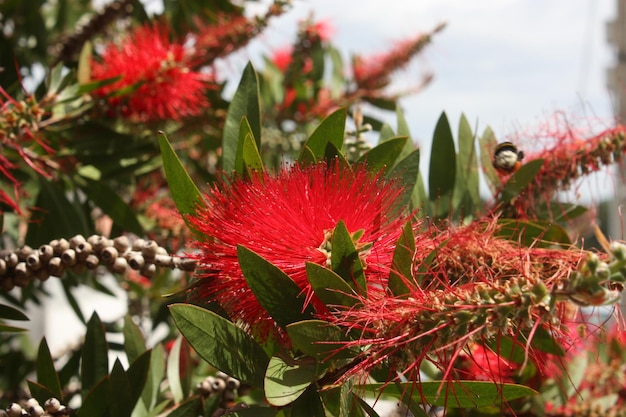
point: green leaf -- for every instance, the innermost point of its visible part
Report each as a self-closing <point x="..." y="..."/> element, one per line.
<point x="191" y="407"/>
<point x="520" y="180"/>
<point x="245" y="103"/>
<point x="384" y="155"/>
<point x="173" y="371"/>
<point x="138" y="375"/>
<point x="10" y="313"/>
<point x="96" y="401"/>
<point x="533" y="233"/>
<point x="466" y="186"/>
<point x="254" y="412"/>
<point x="276" y="292"/>
<point x="284" y="383"/>
<point x="386" y="133"/>
<point x="365" y="406"/>
<point x="453" y="394"/>
<point x="184" y="192"/>
<point x="320" y="339"/>
<point x="345" y="259"/>
<point x="402" y="263"/>
<point x="11" y="329"/>
<point x="152" y="388"/>
<point x="442" y="171"/>
<point x="46" y="373"/>
<point x="112" y="205"/>
<point x="408" y="170"/>
<point x="488" y="144"/>
<point x="310" y="405"/>
<point x="120" y="398"/>
<point x="40" y="392"/>
<point x="134" y="342"/>
<point x="222" y="344"/>
<point x="95" y="358"/>
<point x="329" y="287"/>
<point x="403" y="130"/>
<point x="330" y="130"/>
<point x="248" y="158"/>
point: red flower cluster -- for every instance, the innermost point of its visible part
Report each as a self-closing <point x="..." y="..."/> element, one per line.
<point x="286" y="219"/>
<point x="156" y="81"/>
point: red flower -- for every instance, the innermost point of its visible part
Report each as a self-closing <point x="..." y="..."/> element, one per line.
<point x="282" y="58"/>
<point x="161" y="84"/>
<point x="286" y="218"/>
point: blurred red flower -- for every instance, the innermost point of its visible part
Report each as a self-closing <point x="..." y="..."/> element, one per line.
<point x="156" y="72"/>
<point x="286" y="219"/>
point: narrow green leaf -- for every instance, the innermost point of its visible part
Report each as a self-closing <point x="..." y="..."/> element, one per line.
<point x="402" y="263"/>
<point x="96" y="401"/>
<point x="345" y="259"/>
<point x="40" y="392"/>
<point x="310" y="405"/>
<point x="112" y="205"/>
<point x="365" y="406"/>
<point x="403" y="130"/>
<point x="518" y="181"/>
<point x="384" y="155"/>
<point x="457" y="394"/>
<point x="189" y="408"/>
<point x="173" y="371"/>
<point x="10" y="313"/>
<point x="150" y="393"/>
<point x="275" y="291"/>
<point x="213" y="338"/>
<point x="138" y="375"/>
<point x="184" y="192"/>
<point x="134" y="342"/>
<point x="46" y="373"/>
<point x="533" y="233"/>
<point x="488" y="145"/>
<point x="248" y="158"/>
<point x="442" y="171"/>
<point x="245" y="103"/>
<point x="333" y="154"/>
<point x="71" y="300"/>
<point x="95" y="358"/>
<point x="466" y="187"/>
<point x="330" y="130"/>
<point x="386" y="133"/>
<point x="408" y="170"/>
<point x="120" y="398"/>
<point x="306" y="156"/>
<point x="284" y="383"/>
<point x="83" y="73"/>
<point x="11" y="329"/>
<point x="329" y="287"/>
<point x="320" y="339"/>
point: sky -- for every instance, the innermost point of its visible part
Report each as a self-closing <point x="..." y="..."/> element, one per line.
<point x="509" y="64"/>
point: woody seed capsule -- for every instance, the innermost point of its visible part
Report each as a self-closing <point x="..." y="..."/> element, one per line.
<point x="119" y="266"/>
<point x="138" y="244"/>
<point x="14" y="410"/>
<point x="3" y="267"/>
<point x="52" y="405"/>
<point x="11" y="260"/>
<point x="22" y="273"/>
<point x="23" y="252"/>
<point x="77" y="240"/>
<point x="109" y="254"/>
<point x="83" y="250"/>
<point x="149" y="250"/>
<point x="55" y="266"/>
<point x="33" y="261"/>
<point x="121" y="243"/>
<point x="97" y="242"/>
<point x="136" y="261"/>
<point x="164" y="261"/>
<point x="69" y="257"/>
<point x="148" y="270"/>
<point x="45" y="253"/>
<point x="92" y="261"/>
<point x="61" y="246"/>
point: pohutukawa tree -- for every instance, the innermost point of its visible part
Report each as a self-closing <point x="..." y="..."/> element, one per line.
<point x="297" y="267"/>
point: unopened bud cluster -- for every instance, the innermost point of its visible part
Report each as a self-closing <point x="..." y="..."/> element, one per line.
<point x="16" y="117"/>
<point x="220" y="384"/>
<point x="31" y="408"/>
<point x="78" y="254"/>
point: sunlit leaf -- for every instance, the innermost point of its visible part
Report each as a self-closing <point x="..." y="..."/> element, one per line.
<point x="466" y="190"/>
<point x="330" y="130"/>
<point x="284" y="382"/>
<point x="488" y="145"/>
<point x="173" y="371"/>
<point x="134" y="342"/>
<point x="245" y="103"/>
<point x="320" y="339"/>
<point x="184" y="192"/>
<point x="276" y="292"/>
<point x="533" y="233"/>
<point x="345" y="260"/>
<point x="329" y="287"/>
<point x="408" y="170"/>
<point x="402" y="263"/>
<point x="442" y="171"/>
<point x="248" y="158"/>
<point x="213" y="338"/>
<point x="383" y="155"/>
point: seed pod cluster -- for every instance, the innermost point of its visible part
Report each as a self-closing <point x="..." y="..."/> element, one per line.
<point x="20" y="266"/>
<point x="220" y="384"/>
<point x="31" y="408"/>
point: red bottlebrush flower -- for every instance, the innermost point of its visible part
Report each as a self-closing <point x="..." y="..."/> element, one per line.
<point x="286" y="218"/>
<point x="162" y="85"/>
<point x="282" y="58"/>
<point x="321" y="30"/>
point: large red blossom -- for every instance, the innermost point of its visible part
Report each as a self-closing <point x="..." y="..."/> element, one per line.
<point x="286" y="218"/>
<point x="156" y="71"/>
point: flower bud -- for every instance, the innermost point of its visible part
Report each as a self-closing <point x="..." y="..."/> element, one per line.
<point x="618" y="250"/>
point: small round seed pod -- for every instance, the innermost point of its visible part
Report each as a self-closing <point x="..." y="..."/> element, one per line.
<point x="14" y="410"/>
<point x="149" y="249"/>
<point x="92" y="261"/>
<point x="3" y="413"/>
<point x="108" y="255"/>
<point x="83" y="250"/>
<point x="69" y="257"/>
<point x="11" y="259"/>
<point x="136" y="261"/>
<point x="36" y="411"/>
<point x="232" y="383"/>
<point x="218" y="385"/>
<point x="3" y="267"/>
<point x="55" y="267"/>
<point x="31" y="402"/>
<point x="45" y="253"/>
<point x="148" y="270"/>
<point x="97" y="242"/>
<point x="33" y="261"/>
<point x="23" y="252"/>
<point x="228" y="395"/>
<point x="77" y="240"/>
<point x="161" y="251"/>
<point x="121" y="243"/>
<point x="22" y="274"/>
<point x="164" y="261"/>
<point x="138" y="244"/>
<point x="60" y="246"/>
<point x="52" y="405"/>
<point x="119" y="266"/>
<point x="204" y="387"/>
<point x="42" y="274"/>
